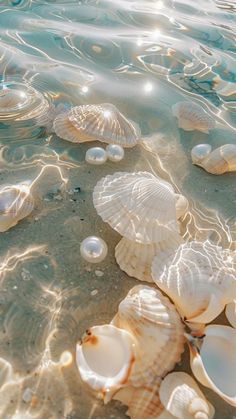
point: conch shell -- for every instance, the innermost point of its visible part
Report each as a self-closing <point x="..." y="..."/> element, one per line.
<point x="140" y="206"/>
<point x="157" y="330"/>
<point x="192" y="116"/>
<point x="213" y="360"/>
<point x="16" y="202"/>
<point x="101" y="122"/>
<point x="199" y="278"/>
<point x="216" y="162"/>
<point x="182" y="397"/>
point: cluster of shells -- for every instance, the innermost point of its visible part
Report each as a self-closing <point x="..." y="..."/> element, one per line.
<point x="132" y="358"/>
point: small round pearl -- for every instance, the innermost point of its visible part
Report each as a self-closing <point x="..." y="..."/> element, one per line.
<point x="115" y="152"/>
<point x="93" y="249"/>
<point x="96" y="155"/>
<point x="200" y="151"/>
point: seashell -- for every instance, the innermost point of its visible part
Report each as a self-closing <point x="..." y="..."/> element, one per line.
<point x="96" y="155"/>
<point x="157" y="330"/>
<point x="16" y="202"/>
<point x="199" y="279"/>
<point x="97" y="122"/>
<point x="93" y="249"/>
<point x="140" y="206"/>
<point x="230" y="312"/>
<point x="104" y="357"/>
<point x="136" y="258"/>
<point x="192" y="116"/>
<point x="216" y="162"/>
<point x="213" y="360"/>
<point x="182" y="397"/>
<point x="181" y="205"/>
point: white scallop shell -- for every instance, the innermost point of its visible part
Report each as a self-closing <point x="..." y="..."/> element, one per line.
<point x="182" y="397"/>
<point x="158" y="332"/>
<point x="104" y="357"/>
<point x="181" y="205"/>
<point x="136" y="258"/>
<point x="213" y="360"/>
<point x="140" y="206"/>
<point x="220" y="160"/>
<point x="16" y="202"/>
<point x="192" y="116"/>
<point x="199" y="278"/>
<point x="101" y="122"/>
<point x="230" y="312"/>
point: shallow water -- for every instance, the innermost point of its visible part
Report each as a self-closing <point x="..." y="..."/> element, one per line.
<point x="142" y="56"/>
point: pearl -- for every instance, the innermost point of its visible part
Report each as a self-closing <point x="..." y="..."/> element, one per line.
<point x="93" y="249"/>
<point x="96" y="155"/>
<point x="115" y="152"/>
<point x="200" y="152"/>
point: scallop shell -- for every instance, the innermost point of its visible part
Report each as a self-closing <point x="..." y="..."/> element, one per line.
<point x="158" y="332"/>
<point x="199" y="278"/>
<point x="140" y="206"/>
<point x="97" y="122"/>
<point x="230" y="312"/>
<point x="192" y="117"/>
<point x="181" y="205"/>
<point x="136" y="258"/>
<point x="220" y="160"/>
<point x="182" y="397"/>
<point x="105" y="357"/>
<point x="213" y="360"/>
<point x="16" y="202"/>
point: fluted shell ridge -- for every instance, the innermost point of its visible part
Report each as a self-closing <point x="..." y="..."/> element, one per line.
<point x="192" y="116"/>
<point x="139" y="205"/>
<point x="157" y="329"/>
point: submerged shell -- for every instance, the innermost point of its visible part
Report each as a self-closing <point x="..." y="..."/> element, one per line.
<point x="97" y="122"/>
<point x="199" y="278"/>
<point x="181" y="205"/>
<point x="182" y="397"/>
<point x="213" y="360"/>
<point x="136" y="258"/>
<point x="158" y="332"/>
<point x="104" y="357"/>
<point x="219" y="161"/>
<point x="16" y="202"/>
<point x="200" y="152"/>
<point x="192" y="116"/>
<point x="140" y="206"/>
<point x="230" y="312"/>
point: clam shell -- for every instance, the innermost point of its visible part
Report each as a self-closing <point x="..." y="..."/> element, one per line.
<point x="97" y="122"/>
<point x="221" y="160"/>
<point x="140" y="206"/>
<point x="16" y="202"/>
<point x="199" y="278"/>
<point x="181" y="396"/>
<point x="104" y="357"/>
<point x="136" y="258"/>
<point x="192" y="116"/>
<point x="213" y="361"/>
<point x="158" y="332"/>
<point x="230" y="312"/>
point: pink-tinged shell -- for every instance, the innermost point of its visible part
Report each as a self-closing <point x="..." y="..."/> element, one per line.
<point x="139" y="205"/>
<point x="157" y="330"/>
<point x="199" y="278"/>
<point x="213" y="360"/>
<point x="16" y="203"/>
<point x="101" y="122"/>
<point x="181" y="396"/>
<point x="221" y="160"/>
<point x="192" y="116"/>
<point x="136" y="258"/>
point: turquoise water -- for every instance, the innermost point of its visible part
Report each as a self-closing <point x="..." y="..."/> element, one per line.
<point x="142" y="56"/>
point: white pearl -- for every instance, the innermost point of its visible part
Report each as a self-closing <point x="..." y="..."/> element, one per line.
<point x="200" y="151"/>
<point x="115" y="152"/>
<point x="96" y="155"/>
<point x="93" y="249"/>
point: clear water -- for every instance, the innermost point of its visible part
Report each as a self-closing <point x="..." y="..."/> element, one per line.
<point x="142" y="56"/>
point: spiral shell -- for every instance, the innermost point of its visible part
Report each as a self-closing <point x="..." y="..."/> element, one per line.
<point x="16" y="202"/>
<point x="219" y="161"/>
<point x="199" y="278"/>
<point x="192" y="116"/>
<point x="97" y="122"/>
<point x="140" y="206"/>
<point x="182" y="397"/>
<point x="157" y="330"/>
